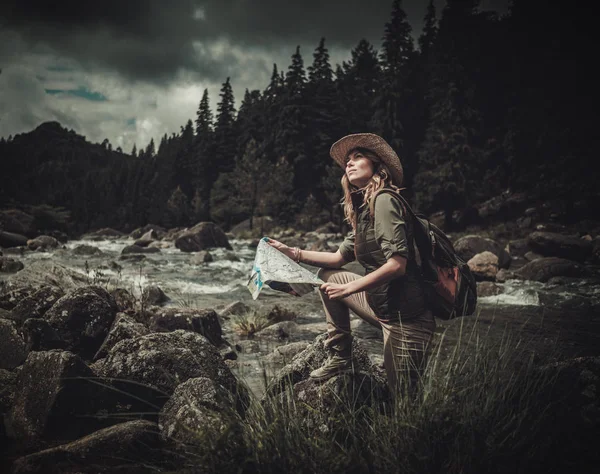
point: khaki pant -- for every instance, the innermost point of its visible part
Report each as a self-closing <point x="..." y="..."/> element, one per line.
<point x="405" y="343"/>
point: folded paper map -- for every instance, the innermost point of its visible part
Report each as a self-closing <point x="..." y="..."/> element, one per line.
<point x="279" y="272"/>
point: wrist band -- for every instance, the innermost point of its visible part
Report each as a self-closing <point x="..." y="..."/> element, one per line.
<point x="297" y="254"/>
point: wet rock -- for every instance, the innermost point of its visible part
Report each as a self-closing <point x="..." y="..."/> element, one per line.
<point x="531" y="256"/>
<point x="198" y="411"/>
<point x="46" y="273"/>
<point x="285" y="353"/>
<point x="504" y="275"/>
<point x="488" y="288"/>
<point x="153" y="295"/>
<point x="132" y="447"/>
<point x="56" y="397"/>
<point x="249" y="346"/>
<point x="40" y="336"/>
<point x="484" y="266"/>
<point x="18" y="222"/>
<point x="551" y="244"/>
<point x="9" y="239"/>
<point x="85" y="249"/>
<point x="157" y="363"/>
<point x="236" y="308"/>
<point x="325" y="405"/>
<point x="152" y="231"/>
<point x="103" y="234"/>
<point x="470" y="245"/>
<point x="12" y="346"/>
<point x="202" y="236"/>
<point x="542" y="269"/>
<point x="123" y="327"/>
<point x="11" y="296"/>
<point x="43" y="243"/>
<point x="203" y="321"/>
<point x="124" y="300"/>
<point x="10" y="265"/>
<point x="313" y="357"/>
<point x="133" y="249"/>
<point x="82" y="318"/>
<point x="36" y="305"/>
<point x="134" y="257"/>
<point x="517" y="247"/>
<point x="278" y="331"/>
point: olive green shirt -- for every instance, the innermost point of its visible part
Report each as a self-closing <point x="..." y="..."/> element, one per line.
<point x="389" y="227"/>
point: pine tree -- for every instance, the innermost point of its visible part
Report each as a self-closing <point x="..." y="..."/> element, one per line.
<point x="204" y="116"/>
<point x="150" y="149"/>
<point x="324" y="120"/>
<point x="452" y="157"/>
<point x="225" y="133"/>
<point x="361" y="82"/>
<point x="134" y="151"/>
<point x="396" y="107"/>
<point x="295" y="78"/>
<point x="429" y="33"/>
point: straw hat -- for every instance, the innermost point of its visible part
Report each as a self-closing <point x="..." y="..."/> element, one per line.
<point x="340" y="149"/>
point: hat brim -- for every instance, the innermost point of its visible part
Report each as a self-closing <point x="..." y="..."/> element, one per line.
<point x="340" y="149"/>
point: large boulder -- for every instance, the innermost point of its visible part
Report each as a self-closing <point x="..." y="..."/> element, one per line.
<point x="10" y="265"/>
<point x="123" y="327"/>
<point x="154" y="295"/>
<point x="40" y="336"/>
<point x="10" y="239"/>
<point x="153" y="231"/>
<point x="198" y="411"/>
<point x="83" y="318"/>
<point x="44" y="272"/>
<point x="484" y="266"/>
<point x="131" y="447"/>
<point x="133" y="249"/>
<point x="202" y="236"/>
<point x="10" y="295"/>
<point x="56" y="398"/>
<point x="202" y="321"/>
<point x="103" y="234"/>
<point x="43" y="242"/>
<point x="18" y="222"/>
<point x="85" y="249"/>
<point x="150" y="367"/>
<point x="12" y="346"/>
<point x="542" y="269"/>
<point x="551" y="244"/>
<point x="470" y="245"/>
<point x="36" y="305"/>
<point x="313" y="357"/>
<point x="124" y="299"/>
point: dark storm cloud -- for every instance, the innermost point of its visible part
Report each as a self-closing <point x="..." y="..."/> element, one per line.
<point x="153" y="40"/>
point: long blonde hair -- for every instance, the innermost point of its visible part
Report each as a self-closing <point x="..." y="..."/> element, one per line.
<point x="381" y="178"/>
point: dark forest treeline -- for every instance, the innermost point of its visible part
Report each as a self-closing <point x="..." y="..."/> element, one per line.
<point x="482" y="103"/>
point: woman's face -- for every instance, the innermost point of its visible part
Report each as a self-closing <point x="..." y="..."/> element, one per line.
<point x="359" y="169"/>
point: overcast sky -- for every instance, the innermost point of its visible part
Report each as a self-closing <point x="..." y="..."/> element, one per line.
<point x="131" y="70"/>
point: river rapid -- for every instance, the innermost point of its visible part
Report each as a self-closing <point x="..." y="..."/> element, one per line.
<point x="562" y="317"/>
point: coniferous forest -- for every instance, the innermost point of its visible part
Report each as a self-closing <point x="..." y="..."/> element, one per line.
<point x="479" y="104"/>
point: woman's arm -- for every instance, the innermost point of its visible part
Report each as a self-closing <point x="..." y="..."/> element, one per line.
<point x="318" y="259"/>
<point x="395" y="267"/>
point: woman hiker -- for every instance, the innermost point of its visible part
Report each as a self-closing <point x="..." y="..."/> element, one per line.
<point x="390" y="294"/>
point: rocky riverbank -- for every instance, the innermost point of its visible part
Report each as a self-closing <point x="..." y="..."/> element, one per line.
<point x="117" y="350"/>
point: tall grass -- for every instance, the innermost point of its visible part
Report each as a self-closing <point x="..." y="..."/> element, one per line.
<point x="480" y="408"/>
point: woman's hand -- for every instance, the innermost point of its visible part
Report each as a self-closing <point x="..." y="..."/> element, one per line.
<point x="284" y="249"/>
<point x="336" y="291"/>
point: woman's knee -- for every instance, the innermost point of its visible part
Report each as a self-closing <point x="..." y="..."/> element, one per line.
<point x="326" y="273"/>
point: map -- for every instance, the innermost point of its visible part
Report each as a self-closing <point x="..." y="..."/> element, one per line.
<point x="279" y="272"/>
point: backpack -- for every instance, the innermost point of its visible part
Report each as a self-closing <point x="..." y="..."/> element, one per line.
<point x="450" y="288"/>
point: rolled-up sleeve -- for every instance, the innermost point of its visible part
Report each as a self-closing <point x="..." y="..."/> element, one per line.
<point x="390" y="226"/>
<point x="347" y="248"/>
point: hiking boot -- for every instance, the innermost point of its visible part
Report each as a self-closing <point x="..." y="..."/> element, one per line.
<point x="336" y="365"/>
